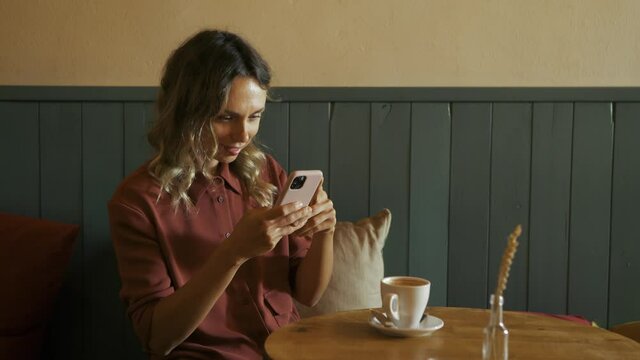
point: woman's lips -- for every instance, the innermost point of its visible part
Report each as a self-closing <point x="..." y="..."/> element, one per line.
<point x="232" y="150"/>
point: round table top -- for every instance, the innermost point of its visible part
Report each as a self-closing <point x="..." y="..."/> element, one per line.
<point x="348" y="335"/>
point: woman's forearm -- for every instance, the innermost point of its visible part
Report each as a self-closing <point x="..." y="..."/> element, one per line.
<point x="178" y="315"/>
<point x="259" y="231"/>
<point x="315" y="270"/>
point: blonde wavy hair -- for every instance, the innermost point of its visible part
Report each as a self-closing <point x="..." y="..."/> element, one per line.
<point x="194" y="88"/>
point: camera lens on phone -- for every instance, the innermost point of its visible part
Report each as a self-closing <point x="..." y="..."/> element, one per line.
<point x="297" y="182"/>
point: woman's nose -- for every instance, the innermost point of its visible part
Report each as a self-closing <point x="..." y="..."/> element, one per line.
<point x="240" y="133"/>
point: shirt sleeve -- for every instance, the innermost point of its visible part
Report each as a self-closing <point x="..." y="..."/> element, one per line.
<point x="143" y="272"/>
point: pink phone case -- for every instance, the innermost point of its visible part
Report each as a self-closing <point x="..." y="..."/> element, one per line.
<point x="305" y="192"/>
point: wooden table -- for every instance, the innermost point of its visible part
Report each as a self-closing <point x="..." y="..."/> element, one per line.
<point x="347" y="335"/>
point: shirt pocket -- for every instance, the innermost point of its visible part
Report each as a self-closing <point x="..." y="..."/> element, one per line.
<point x="281" y="307"/>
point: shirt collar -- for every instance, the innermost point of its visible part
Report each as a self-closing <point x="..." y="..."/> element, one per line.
<point x="200" y="183"/>
<point x="198" y="186"/>
<point x="224" y="171"/>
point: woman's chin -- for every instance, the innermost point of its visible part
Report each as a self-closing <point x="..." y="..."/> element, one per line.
<point x="226" y="159"/>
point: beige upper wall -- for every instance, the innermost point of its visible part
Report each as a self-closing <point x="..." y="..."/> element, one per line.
<point x="331" y="42"/>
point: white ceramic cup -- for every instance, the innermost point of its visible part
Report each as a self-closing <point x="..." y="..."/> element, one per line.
<point x="405" y="299"/>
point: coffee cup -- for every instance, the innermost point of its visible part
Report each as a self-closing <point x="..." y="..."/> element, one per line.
<point x="404" y="299"/>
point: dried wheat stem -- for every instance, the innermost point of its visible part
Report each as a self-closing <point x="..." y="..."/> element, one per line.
<point x="507" y="259"/>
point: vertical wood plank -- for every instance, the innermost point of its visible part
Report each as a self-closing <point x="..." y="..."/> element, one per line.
<point x="469" y="204"/>
<point x="624" y="296"/>
<point x="550" y="207"/>
<point x="61" y="161"/>
<point x="390" y="161"/>
<point x="274" y="132"/>
<point x="19" y="128"/>
<point x="429" y="202"/>
<point x="138" y="118"/>
<point x="309" y="138"/>
<point x="102" y="169"/>
<point x="349" y="160"/>
<point x="61" y="200"/>
<point x="590" y="211"/>
<point x="510" y="166"/>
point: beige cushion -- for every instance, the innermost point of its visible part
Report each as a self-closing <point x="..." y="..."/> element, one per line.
<point x="357" y="266"/>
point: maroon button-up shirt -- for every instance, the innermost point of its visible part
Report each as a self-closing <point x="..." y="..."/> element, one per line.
<point x="159" y="249"/>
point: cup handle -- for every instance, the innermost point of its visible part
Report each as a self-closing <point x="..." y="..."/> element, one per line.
<point x="390" y="304"/>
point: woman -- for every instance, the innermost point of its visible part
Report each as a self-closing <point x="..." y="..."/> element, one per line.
<point x="208" y="267"/>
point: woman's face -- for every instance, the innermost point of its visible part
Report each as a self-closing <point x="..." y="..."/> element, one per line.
<point x="239" y="120"/>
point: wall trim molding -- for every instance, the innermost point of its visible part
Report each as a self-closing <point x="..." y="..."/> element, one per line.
<point x="344" y="94"/>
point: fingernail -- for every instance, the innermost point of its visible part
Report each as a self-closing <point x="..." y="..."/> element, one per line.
<point x="298" y="204"/>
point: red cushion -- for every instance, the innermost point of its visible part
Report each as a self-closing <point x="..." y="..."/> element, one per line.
<point x="34" y="254"/>
<point x="574" y="318"/>
<point x="23" y="347"/>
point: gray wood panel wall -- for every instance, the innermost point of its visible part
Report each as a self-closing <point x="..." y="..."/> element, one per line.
<point x="457" y="168"/>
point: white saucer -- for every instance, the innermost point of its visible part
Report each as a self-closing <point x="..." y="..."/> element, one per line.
<point x="427" y="327"/>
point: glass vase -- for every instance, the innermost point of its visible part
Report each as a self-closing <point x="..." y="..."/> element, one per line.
<point x="496" y="336"/>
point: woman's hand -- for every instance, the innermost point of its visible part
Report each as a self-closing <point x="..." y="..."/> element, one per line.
<point x="260" y="230"/>
<point x="323" y="215"/>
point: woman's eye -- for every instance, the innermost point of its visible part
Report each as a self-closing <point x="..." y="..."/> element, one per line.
<point x="224" y="118"/>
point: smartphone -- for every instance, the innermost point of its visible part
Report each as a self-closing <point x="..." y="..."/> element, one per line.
<point x="301" y="186"/>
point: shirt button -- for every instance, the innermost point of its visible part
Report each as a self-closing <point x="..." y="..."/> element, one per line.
<point x="220" y="199"/>
<point x="227" y="235"/>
